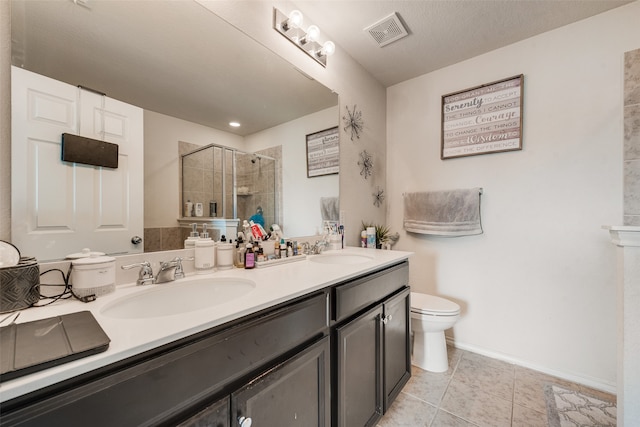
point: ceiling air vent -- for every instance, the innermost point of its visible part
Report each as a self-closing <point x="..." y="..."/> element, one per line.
<point x="387" y="30"/>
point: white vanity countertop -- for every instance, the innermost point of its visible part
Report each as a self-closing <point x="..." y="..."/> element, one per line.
<point x="274" y="285"/>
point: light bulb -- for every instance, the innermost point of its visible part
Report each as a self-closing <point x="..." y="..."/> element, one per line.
<point x="328" y="48"/>
<point x="313" y="32"/>
<point x="294" y="20"/>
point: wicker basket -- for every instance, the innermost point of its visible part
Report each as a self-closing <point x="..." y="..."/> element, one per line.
<point x="19" y="285"/>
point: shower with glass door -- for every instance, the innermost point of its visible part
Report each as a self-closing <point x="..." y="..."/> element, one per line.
<point x="231" y="184"/>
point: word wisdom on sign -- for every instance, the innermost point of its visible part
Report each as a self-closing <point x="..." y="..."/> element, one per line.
<point x="483" y="119"/>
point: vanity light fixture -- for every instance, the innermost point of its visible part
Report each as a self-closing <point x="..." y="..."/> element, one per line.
<point x="234" y="124"/>
<point x="290" y="26"/>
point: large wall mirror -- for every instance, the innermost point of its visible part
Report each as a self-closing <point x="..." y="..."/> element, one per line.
<point x="185" y="66"/>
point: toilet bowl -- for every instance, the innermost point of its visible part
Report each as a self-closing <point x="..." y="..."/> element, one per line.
<point x="430" y="317"/>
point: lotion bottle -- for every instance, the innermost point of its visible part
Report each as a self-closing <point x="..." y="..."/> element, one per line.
<point x="190" y="242"/>
<point x="371" y="237"/>
<point x="205" y="253"/>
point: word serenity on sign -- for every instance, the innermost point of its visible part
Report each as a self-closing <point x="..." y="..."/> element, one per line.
<point x="483" y="119"/>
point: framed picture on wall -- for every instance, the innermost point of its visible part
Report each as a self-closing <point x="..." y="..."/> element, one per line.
<point x="323" y="152"/>
<point x="483" y="119"/>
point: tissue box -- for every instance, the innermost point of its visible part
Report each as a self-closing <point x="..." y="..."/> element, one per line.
<point x="19" y="285"/>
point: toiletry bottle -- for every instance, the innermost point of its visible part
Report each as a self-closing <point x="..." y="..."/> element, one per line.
<point x="240" y="250"/>
<point x="234" y="252"/>
<point x="213" y="209"/>
<point x="199" y="210"/>
<point x="205" y="253"/>
<point x="249" y="257"/>
<point x="363" y="239"/>
<point x="247" y="231"/>
<point x="224" y="254"/>
<point x="188" y="208"/>
<point x="276" y="249"/>
<point x="283" y="249"/>
<point x="259" y="251"/>
<point x="289" y="249"/>
<point x="371" y="237"/>
<point x="256" y="230"/>
<point x="190" y="242"/>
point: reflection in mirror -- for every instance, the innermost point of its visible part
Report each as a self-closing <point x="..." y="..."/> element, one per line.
<point x="182" y="74"/>
<point x="219" y="183"/>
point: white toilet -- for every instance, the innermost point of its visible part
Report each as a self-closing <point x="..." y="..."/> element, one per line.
<point x="430" y="317"/>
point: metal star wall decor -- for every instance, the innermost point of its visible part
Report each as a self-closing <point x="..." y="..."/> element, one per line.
<point x="378" y="197"/>
<point x="353" y="121"/>
<point x="366" y="164"/>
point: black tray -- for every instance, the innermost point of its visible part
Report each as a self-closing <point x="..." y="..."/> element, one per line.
<point x="30" y="347"/>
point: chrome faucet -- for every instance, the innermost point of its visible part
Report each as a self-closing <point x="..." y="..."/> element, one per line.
<point x="145" y="276"/>
<point x="314" y="249"/>
<point x="170" y="271"/>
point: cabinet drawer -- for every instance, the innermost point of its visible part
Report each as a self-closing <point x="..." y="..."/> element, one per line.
<point x="160" y="389"/>
<point x="354" y="296"/>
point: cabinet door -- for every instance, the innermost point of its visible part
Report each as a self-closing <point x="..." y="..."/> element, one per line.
<point x="294" y="393"/>
<point x="397" y="353"/>
<point x="358" y="372"/>
<point x="214" y="415"/>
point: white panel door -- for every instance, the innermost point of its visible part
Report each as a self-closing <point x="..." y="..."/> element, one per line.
<point x="59" y="207"/>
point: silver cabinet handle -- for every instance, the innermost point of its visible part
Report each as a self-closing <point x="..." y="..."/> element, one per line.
<point x="386" y="319"/>
<point x="244" y="421"/>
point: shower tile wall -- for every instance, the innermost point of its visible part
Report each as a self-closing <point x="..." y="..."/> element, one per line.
<point x="198" y="175"/>
<point x="632" y="138"/>
<point x="258" y="178"/>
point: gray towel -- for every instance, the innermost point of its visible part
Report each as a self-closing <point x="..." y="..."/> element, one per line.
<point x="443" y="213"/>
<point x="330" y="208"/>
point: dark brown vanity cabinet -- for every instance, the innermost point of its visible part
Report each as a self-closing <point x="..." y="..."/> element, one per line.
<point x="372" y="360"/>
<point x="336" y="357"/>
<point x="190" y="380"/>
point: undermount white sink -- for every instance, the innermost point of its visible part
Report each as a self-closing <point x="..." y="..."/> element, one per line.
<point x="340" y="258"/>
<point x="178" y="297"/>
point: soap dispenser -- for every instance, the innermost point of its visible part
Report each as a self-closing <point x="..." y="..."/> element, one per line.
<point x="190" y="242"/>
<point x="224" y="254"/>
<point x="205" y="253"/>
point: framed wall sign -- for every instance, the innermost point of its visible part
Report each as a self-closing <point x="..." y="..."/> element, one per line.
<point x="483" y="119"/>
<point x="323" y="152"/>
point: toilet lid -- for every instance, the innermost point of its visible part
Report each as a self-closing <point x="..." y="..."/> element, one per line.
<point x="423" y="303"/>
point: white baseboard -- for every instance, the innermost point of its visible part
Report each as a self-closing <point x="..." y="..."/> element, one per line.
<point x="587" y="381"/>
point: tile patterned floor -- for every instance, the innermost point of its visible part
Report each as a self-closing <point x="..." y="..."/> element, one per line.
<point x="475" y="391"/>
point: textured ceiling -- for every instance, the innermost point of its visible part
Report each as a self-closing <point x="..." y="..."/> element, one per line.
<point x="441" y="32"/>
<point x="179" y="59"/>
